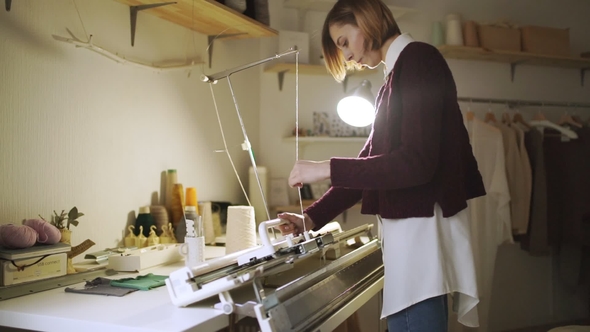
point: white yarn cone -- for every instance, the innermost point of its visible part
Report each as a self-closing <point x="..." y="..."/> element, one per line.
<point x="241" y="228"/>
<point x="208" y="226"/>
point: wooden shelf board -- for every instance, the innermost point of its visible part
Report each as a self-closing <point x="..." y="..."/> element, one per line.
<point x="304" y="69"/>
<point x="482" y="54"/>
<point x="307" y="69"/>
<point x="210" y="18"/>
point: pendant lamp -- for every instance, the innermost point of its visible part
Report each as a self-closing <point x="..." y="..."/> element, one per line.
<point x="356" y="109"/>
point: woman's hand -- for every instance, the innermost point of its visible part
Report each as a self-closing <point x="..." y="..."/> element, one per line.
<point x="294" y="223"/>
<point x="306" y="171"/>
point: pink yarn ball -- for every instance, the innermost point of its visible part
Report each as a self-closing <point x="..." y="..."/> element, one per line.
<point x="17" y="236"/>
<point x="48" y="233"/>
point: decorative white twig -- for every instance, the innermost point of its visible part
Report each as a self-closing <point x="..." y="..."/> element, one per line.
<point x="119" y="59"/>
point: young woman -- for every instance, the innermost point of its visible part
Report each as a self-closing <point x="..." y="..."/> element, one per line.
<point x="416" y="171"/>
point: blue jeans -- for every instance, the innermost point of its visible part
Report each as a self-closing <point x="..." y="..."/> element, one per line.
<point x="430" y="315"/>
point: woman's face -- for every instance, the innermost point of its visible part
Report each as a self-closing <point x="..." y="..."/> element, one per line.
<point x="350" y="40"/>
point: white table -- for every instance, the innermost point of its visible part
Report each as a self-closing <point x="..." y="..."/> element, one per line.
<point x="56" y="310"/>
<point x="140" y="311"/>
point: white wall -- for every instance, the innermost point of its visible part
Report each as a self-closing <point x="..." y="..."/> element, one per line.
<point x="525" y="291"/>
<point x="77" y="129"/>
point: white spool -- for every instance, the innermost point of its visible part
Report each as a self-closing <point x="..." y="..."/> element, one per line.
<point x="241" y="228"/>
<point x="454" y="30"/>
<point x="208" y="226"/>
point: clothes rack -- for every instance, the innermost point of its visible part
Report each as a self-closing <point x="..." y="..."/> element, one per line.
<point x="521" y="103"/>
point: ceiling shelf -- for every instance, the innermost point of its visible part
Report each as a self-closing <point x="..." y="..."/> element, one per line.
<point x="305" y="69"/>
<point x="515" y="58"/>
<point x="210" y="18"/>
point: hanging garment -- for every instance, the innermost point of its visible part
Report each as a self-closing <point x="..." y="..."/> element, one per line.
<point x="490" y="214"/>
<point x="568" y="181"/>
<point x="568" y="197"/>
<point x="521" y="204"/>
<point x="535" y="241"/>
<point x="514" y="175"/>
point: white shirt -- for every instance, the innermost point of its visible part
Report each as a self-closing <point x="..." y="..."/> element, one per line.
<point x="491" y="213"/>
<point x="427" y="257"/>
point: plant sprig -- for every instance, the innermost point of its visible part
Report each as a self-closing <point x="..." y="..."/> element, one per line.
<point x="63" y="220"/>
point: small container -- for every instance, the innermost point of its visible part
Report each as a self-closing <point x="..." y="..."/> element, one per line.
<point x="454" y="33"/>
<point x="438" y="37"/>
<point x="190" y="212"/>
<point x="470" y="34"/>
<point x="193" y="250"/>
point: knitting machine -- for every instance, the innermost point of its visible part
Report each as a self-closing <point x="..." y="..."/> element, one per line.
<point x="310" y="282"/>
<point x="301" y="283"/>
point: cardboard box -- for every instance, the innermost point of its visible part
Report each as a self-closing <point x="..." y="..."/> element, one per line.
<point x="544" y="40"/>
<point x="288" y="39"/>
<point x="499" y="38"/>
<point x="51" y="266"/>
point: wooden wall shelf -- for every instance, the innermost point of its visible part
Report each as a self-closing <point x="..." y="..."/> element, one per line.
<point x="515" y="58"/>
<point x="210" y="18"/>
<point x="306" y="69"/>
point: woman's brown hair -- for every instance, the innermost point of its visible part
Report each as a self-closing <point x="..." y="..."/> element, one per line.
<point x="372" y="17"/>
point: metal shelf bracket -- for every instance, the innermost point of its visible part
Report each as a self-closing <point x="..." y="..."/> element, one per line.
<point x="513" y="69"/>
<point x="582" y="74"/>
<point x="211" y="39"/>
<point x="281" y="77"/>
<point x="133" y="10"/>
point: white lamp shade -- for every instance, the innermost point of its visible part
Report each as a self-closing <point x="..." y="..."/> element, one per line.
<point x="357" y="108"/>
<point x="356" y="111"/>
